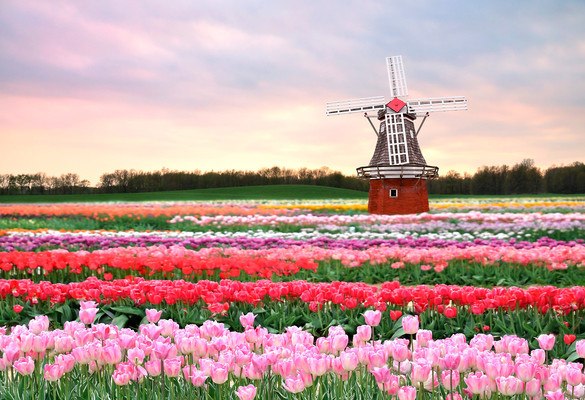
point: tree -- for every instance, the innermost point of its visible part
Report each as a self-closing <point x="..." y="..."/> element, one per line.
<point x="523" y="178"/>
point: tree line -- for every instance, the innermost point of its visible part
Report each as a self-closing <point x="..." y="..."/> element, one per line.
<point x="522" y="178"/>
<point x="133" y="181"/>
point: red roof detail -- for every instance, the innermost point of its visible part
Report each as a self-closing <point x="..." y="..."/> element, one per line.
<point x="396" y="104"/>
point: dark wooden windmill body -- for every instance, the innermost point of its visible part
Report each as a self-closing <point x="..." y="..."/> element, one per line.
<point x="397" y="171"/>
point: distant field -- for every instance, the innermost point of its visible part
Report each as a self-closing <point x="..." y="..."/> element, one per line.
<point x="268" y="192"/>
<point x="272" y="192"/>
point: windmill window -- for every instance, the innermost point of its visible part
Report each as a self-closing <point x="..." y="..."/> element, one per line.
<point x="393" y="192"/>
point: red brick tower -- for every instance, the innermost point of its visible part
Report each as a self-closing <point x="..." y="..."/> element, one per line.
<point x="397" y="172"/>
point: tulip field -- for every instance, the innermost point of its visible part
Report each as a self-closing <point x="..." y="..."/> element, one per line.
<point x="477" y="299"/>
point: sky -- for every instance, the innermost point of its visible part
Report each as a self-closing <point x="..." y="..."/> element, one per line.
<point x="94" y="86"/>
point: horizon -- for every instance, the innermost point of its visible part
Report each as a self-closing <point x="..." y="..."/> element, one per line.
<point x="92" y="87"/>
<point x="330" y="170"/>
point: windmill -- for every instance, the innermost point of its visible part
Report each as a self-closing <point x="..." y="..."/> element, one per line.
<point x="397" y="171"/>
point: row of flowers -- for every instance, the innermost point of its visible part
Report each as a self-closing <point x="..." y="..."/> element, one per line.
<point x="413" y="222"/>
<point x="232" y="261"/>
<point x="27" y="240"/>
<point x="319" y="295"/>
<point x="346" y="233"/>
<point x="161" y="357"/>
<point x="168" y="208"/>
<point x="137" y="210"/>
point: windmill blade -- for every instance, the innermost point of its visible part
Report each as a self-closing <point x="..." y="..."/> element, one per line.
<point x="355" y="105"/>
<point x="396" y="137"/>
<point x="396" y="76"/>
<point x="437" y="104"/>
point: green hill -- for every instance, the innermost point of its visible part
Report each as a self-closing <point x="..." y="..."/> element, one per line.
<point x="269" y="192"/>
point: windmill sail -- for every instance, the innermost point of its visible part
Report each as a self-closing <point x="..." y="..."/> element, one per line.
<point x="422" y="106"/>
<point x="355" y="105"/>
<point x="396" y="76"/>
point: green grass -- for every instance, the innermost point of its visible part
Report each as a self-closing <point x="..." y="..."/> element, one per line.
<point x="269" y="192"/>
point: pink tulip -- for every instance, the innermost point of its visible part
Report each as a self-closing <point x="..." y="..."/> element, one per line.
<point x="533" y="388"/>
<point x="12" y="352"/>
<point x="510" y="385"/>
<point x="555" y="395"/>
<point x="407" y="393"/>
<point x="420" y="372"/>
<point x="162" y="349"/>
<point x="53" y="372"/>
<point x="580" y="347"/>
<point x="63" y="344"/>
<point x="538" y="356"/>
<point x="153" y="315"/>
<point x="517" y="346"/>
<point x="318" y="365"/>
<point x="198" y="378"/>
<point x="87" y="315"/>
<point x="373" y="317"/>
<point x="553" y="383"/>
<point x="376" y="358"/>
<point x="169" y="327"/>
<point x="546" y="342"/>
<point x="81" y="355"/>
<point x="247" y="320"/>
<point x="39" y="324"/>
<point x="339" y="342"/>
<point x="363" y="334"/>
<point x="24" y="365"/>
<point x="578" y="391"/>
<point x="477" y="383"/>
<point x="452" y="360"/>
<point x="381" y="374"/>
<point x="400" y="352"/>
<point x="26" y="341"/>
<point x="450" y="379"/>
<point x="111" y="353"/>
<point x="40" y="343"/>
<point x="219" y="373"/>
<point x="294" y="384"/>
<point x="172" y="366"/>
<point x="349" y="360"/>
<point x="423" y="337"/>
<point x="67" y="361"/>
<point x="136" y="355"/>
<point x="250" y="371"/>
<point x="525" y="371"/>
<point x="573" y="375"/>
<point x="121" y="378"/>
<point x="246" y="392"/>
<point x="410" y="324"/>
<point x="153" y="367"/>
<point x="306" y="378"/>
<point x="87" y="304"/>
<point x="151" y="331"/>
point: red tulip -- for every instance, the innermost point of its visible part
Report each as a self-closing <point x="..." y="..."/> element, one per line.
<point x="568" y="339"/>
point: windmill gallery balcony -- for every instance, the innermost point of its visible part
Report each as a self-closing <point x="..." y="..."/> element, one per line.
<point x="411" y="171"/>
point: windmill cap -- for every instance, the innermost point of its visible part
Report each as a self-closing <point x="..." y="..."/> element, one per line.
<point x="396" y="104"/>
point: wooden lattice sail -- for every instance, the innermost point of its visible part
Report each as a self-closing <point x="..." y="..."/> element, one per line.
<point x="397" y="171"/>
